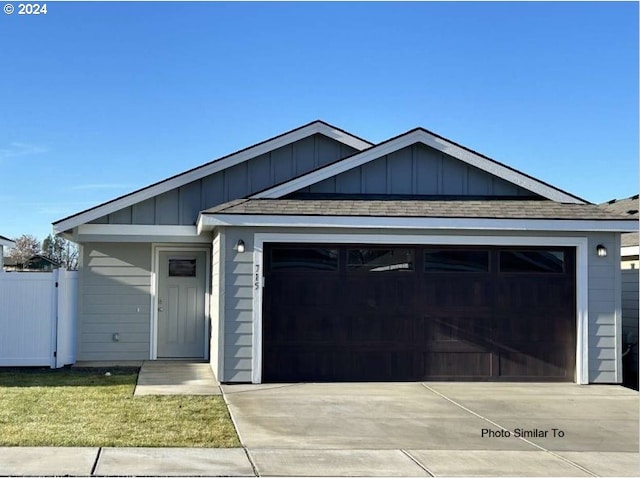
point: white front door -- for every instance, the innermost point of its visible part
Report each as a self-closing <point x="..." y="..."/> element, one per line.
<point x="181" y="297"/>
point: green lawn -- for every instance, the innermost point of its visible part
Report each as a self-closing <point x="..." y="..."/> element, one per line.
<point x="86" y="408"/>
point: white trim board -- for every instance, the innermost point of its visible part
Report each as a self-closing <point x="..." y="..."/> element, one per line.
<point x="582" y="277"/>
<point x="7" y="242"/>
<point x="629" y="250"/>
<point x="155" y="264"/>
<point x="207" y="222"/>
<point x="138" y="233"/>
<point x="433" y="141"/>
<point x="209" y="169"/>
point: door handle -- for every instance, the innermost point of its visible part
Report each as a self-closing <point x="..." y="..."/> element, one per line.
<point x="161" y="309"/>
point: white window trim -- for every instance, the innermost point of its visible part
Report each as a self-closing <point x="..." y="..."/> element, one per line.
<point x="582" y="276"/>
<point x="155" y="267"/>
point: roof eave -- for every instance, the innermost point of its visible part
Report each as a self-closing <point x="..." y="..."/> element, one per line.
<point x="212" y="167"/>
<point x="7" y="243"/>
<point x="420" y="135"/>
<point x="207" y="222"/>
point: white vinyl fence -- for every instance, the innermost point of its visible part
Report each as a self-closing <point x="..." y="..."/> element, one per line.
<point x="38" y="318"/>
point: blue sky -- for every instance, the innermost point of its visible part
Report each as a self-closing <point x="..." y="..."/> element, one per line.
<point x="99" y="99"/>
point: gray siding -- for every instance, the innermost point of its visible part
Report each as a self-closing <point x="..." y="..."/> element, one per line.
<point x="604" y="325"/>
<point x="114" y="297"/>
<point x="605" y="312"/>
<point x="238" y="307"/>
<point x="417" y="170"/>
<point x="182" y="205"/>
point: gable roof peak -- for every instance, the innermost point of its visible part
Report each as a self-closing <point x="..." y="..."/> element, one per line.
<point x="211" y="167"/>
<point x="432" y="140"/>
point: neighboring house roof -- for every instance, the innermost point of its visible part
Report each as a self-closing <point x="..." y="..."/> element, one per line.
<point x="487" y="213"/>
<point x="7" y="242"/>
<point x="420" y="135"/>
<point x="211" y="167"/>
<point x="38" y="258"/>
<point x="628" y="207"/>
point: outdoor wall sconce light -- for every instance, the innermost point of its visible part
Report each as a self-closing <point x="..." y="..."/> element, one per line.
<point x="116" y="337"/>
<point x="239" y="247"/>
<point x="601" y="250"/>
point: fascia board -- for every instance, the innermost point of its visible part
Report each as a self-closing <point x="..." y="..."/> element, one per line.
<point x="432" y="141"/>
<point x="497" y="169"/>
<point x="629" y="250"/>
<point x="208" y="222"/>
<point x="341" y="136"/>
<point x="208" y="169"/>
<point x="338" y="167"/>
<point x="138" y="233"/>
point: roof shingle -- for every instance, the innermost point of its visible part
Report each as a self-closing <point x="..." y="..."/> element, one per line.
<point x="627" y="207"/>
<point x="499" y="209"/>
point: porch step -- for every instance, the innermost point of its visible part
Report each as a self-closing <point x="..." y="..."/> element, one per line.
<point x="175" y="378"/>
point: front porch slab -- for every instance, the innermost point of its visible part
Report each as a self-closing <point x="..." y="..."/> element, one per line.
<point x="174" y="378"/>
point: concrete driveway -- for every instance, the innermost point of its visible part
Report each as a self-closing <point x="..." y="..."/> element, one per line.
<point x="437" y="429"/>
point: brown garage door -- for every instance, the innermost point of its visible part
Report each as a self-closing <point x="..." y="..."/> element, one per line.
<point x="408" y="313"/>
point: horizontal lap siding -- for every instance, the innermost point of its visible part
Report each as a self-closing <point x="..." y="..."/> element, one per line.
<point x="238" y="307"/>
<point x="604" y="310"/>
<point x="114" y="298"/>
<point x="181" y="206"/>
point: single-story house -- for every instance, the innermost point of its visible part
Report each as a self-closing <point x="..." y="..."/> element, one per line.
<point x="37" y="262"/>
<point x="4" y="243"/>
<point x="630" y="264"/>
<point x="319" y="256"/>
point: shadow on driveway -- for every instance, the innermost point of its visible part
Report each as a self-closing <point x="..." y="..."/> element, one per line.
<point x="501" y="428"/>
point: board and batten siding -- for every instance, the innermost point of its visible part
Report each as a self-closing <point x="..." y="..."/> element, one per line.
<point x="181" y="206"/>
<point x="114" y="297"/>
<point x="604" y="291"/>
<point x="417" y="170"/>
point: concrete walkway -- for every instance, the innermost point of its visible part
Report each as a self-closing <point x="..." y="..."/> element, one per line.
<point x="172" y="378"/>
<point x="373" y="429"/>
<point x="238" y="462"/>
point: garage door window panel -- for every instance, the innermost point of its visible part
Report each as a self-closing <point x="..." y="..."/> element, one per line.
<point x="521" y="261"/>
<point x="455" y="261"/>
<point x="377" y="260"/>
<point x="304" y="259"/>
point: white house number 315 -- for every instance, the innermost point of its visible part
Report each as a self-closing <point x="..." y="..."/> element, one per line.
<point x="256" y="279"/>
